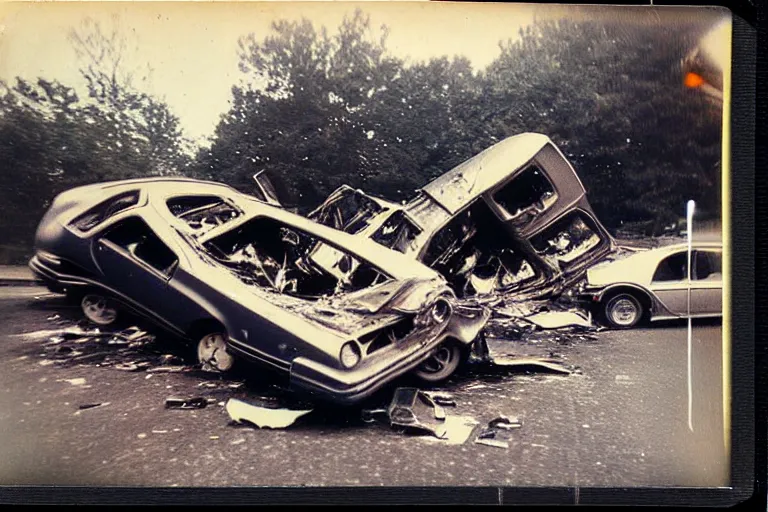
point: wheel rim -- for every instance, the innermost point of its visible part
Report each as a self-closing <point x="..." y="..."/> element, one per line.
<point x="441" y="363"/>
<point x="98" y="309"/>
<point x="212" y="353"/>
<point x="623" y="311"/>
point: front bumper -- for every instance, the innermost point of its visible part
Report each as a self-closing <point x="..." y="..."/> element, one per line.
<point x="350" y="386"/>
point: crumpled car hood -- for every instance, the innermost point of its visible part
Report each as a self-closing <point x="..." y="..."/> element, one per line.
<point x="407" y="296"/>
<point x="361" y="311"/>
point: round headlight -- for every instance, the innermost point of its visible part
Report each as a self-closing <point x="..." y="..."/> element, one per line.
<point x="350" y="354"/>
<point x="441" y="310"/>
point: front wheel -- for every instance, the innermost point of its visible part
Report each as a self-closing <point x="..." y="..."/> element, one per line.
<point x="623" y="311"/>
<point x="443" y="362"/>
<point x="99" y="309"/>
<point x="212" y="353"/>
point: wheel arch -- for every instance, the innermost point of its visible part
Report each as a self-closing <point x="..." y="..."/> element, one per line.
<point x="202" y="326"/>
<point x="645" y="298"/>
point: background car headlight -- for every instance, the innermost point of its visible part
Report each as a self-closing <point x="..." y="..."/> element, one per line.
<point x="441" y="310"/>
<point x="350" y="354"/>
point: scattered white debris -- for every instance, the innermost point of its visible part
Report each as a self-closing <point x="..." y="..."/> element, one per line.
<point x="559" y="319"/>
<point x="262" y="417"/>
<point x="457" y="430"/>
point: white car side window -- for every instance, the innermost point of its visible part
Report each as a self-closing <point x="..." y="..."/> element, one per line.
<point x="672" y="268"/>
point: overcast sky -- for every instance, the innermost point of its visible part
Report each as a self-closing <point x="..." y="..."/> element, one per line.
<point x="192" y="47"/>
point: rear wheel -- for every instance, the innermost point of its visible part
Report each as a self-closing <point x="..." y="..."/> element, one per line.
<point x="99" y="309"/>
<point x="212" y="353"/>
<point x="443" y="362"/>
<point x="623" y="311"/>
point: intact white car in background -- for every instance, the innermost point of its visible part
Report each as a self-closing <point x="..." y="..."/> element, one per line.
<point x="653" y="285"/>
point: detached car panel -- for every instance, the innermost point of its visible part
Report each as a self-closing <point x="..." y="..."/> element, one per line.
<point x="342" y="316"/>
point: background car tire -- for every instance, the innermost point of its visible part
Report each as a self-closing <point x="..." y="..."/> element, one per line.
<point x="622" y="311"/>
<point x="442" y="364"/>
<point x="212" y="353"/>
<point x="99" y="309"/>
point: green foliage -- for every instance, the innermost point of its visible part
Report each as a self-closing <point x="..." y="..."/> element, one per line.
<point x="320" y="111"/>
<point x="52" y="139"/>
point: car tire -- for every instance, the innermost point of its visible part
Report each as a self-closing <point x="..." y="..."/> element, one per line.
<point x="99" y="309"/>
<point x="622" y="311"/>
<point x="443" y="363"/>
<point x="212" y="353"/>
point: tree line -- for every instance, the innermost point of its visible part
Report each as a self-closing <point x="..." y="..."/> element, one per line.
<point x="317" y="111"/>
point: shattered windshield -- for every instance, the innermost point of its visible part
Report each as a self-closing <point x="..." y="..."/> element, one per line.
<point x="202" y="213"/>
<point x="567" y="240"/>
<point x="527" y="195"/>
<point x="397" y="233"/>
<point x="270" y="254"/>
<point x="351" y="212"/>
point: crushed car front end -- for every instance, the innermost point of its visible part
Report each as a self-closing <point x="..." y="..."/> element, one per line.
<point x="376" y="357"/>
<point x="342" y="349"/>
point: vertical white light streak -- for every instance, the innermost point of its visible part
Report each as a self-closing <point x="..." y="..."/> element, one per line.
<point x="689" y="228"/>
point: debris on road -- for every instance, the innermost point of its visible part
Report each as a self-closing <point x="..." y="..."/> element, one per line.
<point x="75" y="382"/>
<point x="262" y="417"/>
<point x="168" y="369"/>
<point x="495" y="433"/>
<point x="84" y="407"/>
<point x="457" y="430"/>
<point x="91" y="406"/>
<point x="440" y="398"/>
<point x="559" y="319"/>
<point x="411" y="408"/>
<point x="185" y="403"/>
<point x="541" y="362"/>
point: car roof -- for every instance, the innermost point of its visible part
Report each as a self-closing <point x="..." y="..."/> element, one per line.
<point x="462" y="184"/>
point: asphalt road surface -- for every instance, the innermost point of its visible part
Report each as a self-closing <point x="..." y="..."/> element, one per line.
<point x="620" y="420"/>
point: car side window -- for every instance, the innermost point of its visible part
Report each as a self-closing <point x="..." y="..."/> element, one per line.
<point x="134" y="236"/>
<point x="708" y="266"/>
<point x="105" y="210"/>
<point x="672" y="268"/>
<point x="527" y="195"/>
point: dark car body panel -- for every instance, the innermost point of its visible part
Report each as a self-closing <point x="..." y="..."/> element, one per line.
<point x="285" y="332"/>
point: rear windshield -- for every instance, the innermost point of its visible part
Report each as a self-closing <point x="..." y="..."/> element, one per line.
<point x="106" y="209"/>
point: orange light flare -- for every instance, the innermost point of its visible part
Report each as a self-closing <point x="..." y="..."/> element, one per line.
<point x="693" y="80"/>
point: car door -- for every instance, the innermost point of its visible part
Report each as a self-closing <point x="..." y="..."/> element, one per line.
<point x="137" y="265"/>
<point x="707" y="283"/>
<point x="670" y="282"/>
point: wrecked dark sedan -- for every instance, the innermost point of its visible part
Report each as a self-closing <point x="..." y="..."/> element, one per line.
<point x="340" y="315"/>
<point x="512" y="219"/>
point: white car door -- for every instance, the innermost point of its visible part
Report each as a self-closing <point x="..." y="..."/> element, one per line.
<point x="670" y="283"/>
<point x="707" y="283"/>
